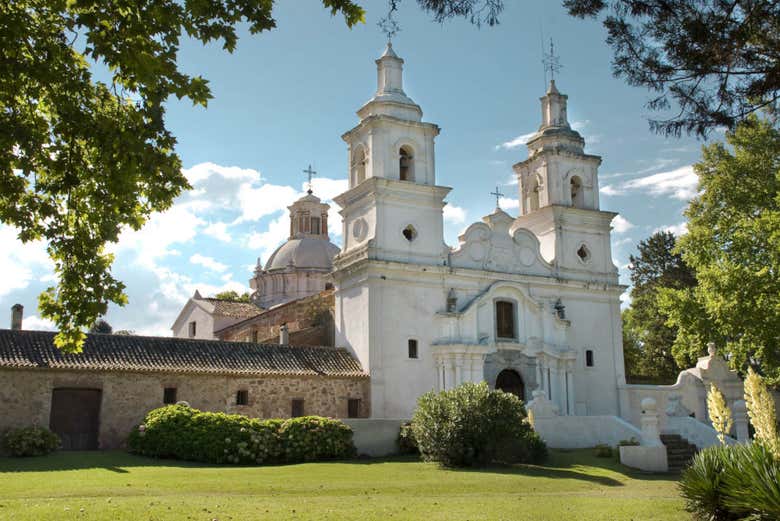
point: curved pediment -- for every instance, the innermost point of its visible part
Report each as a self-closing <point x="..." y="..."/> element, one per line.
<point x="489" y="246"/>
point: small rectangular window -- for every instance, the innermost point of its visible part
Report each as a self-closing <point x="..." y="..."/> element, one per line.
<point x="413" y="348"/>
<point x="505" y="319"/>
<point x="193" y="329"/>
<point x="242" y="397"/>
<point x="353" y="408"/>
<point x="589" y="358"/>
<point x="297" y="407"/>
<point x="169" y="395"/>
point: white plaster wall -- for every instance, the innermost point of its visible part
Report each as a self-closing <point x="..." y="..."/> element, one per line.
<point x="578" y="432"/>
<point x="373" y="437"/>
<point x="204" y="328"/>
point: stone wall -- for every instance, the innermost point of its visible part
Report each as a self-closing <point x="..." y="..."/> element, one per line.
<point x="25" y="395"/>
<point x="315" y="311"/>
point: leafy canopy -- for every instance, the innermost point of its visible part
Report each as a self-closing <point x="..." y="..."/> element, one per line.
<point x="733" y="245"/>
<point x="83" y="159"/>
<point x="233" y="295"/>
<point x="712" y="62"/>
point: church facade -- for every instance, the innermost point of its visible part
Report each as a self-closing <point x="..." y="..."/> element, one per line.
<point x="526" y="304"/>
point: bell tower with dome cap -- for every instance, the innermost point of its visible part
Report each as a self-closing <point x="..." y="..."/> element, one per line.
<point x="301" y="266"/>
<point x="559" y="197"/>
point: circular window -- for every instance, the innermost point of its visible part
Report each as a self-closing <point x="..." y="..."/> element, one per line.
<point x="584" y="254"/>
<point x="409" y="233"/>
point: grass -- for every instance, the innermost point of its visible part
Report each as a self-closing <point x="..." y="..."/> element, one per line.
<point x="115" y="485"/>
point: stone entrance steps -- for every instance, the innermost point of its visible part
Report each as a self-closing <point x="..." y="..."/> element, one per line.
<point x="679" y="452"/>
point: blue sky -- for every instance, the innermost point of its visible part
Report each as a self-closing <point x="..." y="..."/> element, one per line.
<point x="284" y="98"/>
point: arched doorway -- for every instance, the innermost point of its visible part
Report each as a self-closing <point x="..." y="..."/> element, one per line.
<point x="510" y="381"/>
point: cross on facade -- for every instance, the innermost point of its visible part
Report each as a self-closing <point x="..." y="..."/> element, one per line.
<point x="552" y="63"/>
<point x="498" y="195"/>
<point x="310" y="173"/>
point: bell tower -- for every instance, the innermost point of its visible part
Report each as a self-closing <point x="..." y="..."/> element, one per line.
<point x="393" y="208"/>
<point x="559" y="196"/>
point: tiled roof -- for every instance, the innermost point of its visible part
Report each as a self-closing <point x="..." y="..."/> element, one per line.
<point x="35" y="349"/>
<point x="234" y="308"/>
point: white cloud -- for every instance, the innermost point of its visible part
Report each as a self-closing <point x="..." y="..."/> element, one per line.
<point x="208" y="263"/>
<point x="621" y="225"/>
<point x="218" y="230"/>
<point x="268" y="199"/>
<point x="454" y="214"/>
<point x="36" y="323"/>
<point x="21" y="263"/>
<point x="508" y="203"/>
<point x="516" y="142"/>
<point x="266" y="242"/>
<point x="681" y="183"/>
<point x="677" y="229"/>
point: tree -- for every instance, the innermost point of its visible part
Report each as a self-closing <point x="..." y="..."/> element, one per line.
<point x="233" y="295"/>
<point x="101" y="326"/>
<point x="718" y="61"/>
<point x="733" y="245"/>
<point x="647" y="339"/>
<point x="81" y="159"/>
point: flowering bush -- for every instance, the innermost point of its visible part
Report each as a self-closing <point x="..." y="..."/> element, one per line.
<point x="179" y="431"/>
<point x="473" y="425"/>
<point x="30" y="441"/>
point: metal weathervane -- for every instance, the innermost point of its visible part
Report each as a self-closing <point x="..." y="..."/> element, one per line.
<point x="311" y="173"/>
<point x="389" y="26"/>
<point x="551" y="61"/>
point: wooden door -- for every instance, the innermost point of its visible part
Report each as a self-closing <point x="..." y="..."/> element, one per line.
<point x="75" y="417"/>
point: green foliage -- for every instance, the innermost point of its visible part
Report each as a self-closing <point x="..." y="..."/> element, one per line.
<point x="181" y="432"/>
<point x="602" y="450"/>
<point x="732" y="482"/>
<point x="233" y="295"/>
<point x="701" y="484"/>
<point x="101" y="326"/>
<point x="406" y="442"/>
<point x="647" y="338"/>
<point x="713" y="62"/>
<point x="472" y="425"/>
<point x="633" y="442"/>
<point x="80" y="160"/>
<point x="30" y="441"/>
<point x="733" y="245"/>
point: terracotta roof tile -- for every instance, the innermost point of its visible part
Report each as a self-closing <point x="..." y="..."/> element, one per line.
<point x="234" y="308"/>
<point x="35" y="349"/>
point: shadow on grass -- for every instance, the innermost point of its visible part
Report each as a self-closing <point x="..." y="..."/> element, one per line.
<point x="114" y="461"/>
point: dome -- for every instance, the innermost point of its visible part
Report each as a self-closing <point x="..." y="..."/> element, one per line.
<point x="303" y="253"/>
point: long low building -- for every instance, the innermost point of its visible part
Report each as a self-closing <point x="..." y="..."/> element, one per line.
<point x="93" y="399"/>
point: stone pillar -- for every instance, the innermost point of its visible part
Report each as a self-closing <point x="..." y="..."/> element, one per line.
<point x="440" y="374"/>
<point x="458" y="370"/>
<point x="651" y="435"/>
<point x="570" y="387"/>
<point x="539" y="383"/>
<point x="543" y="373"/>
<point x="449" y="374"/>
<point x="564" y="395"/>
<point x="739" y="413"/>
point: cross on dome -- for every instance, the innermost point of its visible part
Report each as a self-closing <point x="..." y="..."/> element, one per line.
<point x="310" y="173"/>
<point x="552" y="63"/>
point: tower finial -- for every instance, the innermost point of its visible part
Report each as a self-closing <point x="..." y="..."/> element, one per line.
<point x="498" y="195"/>
<point x="388" y="24"/>
<point x="552" y="63"/>
<point x="310" y="173"/>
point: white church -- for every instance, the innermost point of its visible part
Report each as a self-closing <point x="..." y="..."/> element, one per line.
<point x="529" y="304"/>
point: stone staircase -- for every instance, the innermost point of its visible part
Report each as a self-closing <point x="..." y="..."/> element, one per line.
<point x="679" y="452"/>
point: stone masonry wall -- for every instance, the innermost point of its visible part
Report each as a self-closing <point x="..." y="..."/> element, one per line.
<point x="305" y="313"/>
<point x="25" y="396"/>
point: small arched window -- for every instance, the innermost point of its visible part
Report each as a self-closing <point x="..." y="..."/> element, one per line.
<point x="532" y="202"/>
<point x="315" y="225"/>
<point x="358" y="165"/>
<point x="505" y="319"/>
<point x="577" y="193"/>
<point x="406" y="164"/>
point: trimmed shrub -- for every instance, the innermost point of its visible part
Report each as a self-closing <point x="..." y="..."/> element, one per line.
<point x="602" y="450"/>
<point x="633" y="442"/>
<point x="473" y="425"/>
<point x="406" y="442"/>
<point x="179" y="431"/>
<point x="30" y="441"/>
<point x="311" y="438"/>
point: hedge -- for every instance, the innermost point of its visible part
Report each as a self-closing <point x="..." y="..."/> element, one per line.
<point x="181" y="432"/>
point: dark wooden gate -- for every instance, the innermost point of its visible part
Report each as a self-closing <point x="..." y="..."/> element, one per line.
<point x="510" y="381"/>
<point x="75" y="417"/>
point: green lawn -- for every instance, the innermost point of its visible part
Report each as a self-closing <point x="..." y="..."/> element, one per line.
<point x="114" y="485"/>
